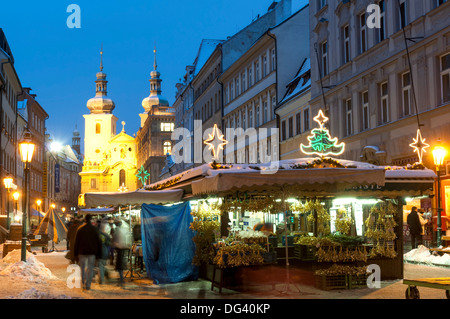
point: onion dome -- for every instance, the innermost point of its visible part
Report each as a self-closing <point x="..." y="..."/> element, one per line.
<point x="100" y="103"/>
<point x="155" y="98"/>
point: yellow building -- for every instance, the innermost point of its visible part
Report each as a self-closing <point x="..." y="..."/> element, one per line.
<point x="109" y="158"/>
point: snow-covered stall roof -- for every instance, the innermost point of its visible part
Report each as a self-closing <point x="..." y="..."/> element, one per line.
<point x="307" y="174"/>
<point x="137" y="197"/>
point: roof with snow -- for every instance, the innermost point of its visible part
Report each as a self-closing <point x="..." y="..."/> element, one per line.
<point x="207" y="48"/>
<point x="312" y="175"/>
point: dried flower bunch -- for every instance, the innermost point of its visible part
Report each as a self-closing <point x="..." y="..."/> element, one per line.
<point x="381" y="229"/>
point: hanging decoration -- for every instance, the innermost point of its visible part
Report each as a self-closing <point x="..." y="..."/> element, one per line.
<point x="142" y="175"/>
<point x="320" y="142"/>
<point x="380" y="229"/>
<point x="419" y="145"/>
<point x="216" y="142"/>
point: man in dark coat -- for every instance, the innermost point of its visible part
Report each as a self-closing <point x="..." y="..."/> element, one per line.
<point x="87" y="248"/>
<point x="71" y="233"/>
<point x="415" y="227"/>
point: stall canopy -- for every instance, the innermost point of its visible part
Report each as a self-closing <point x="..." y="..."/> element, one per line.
<point x="137" y="197"/>
<point x="310" y="176"/>
<point x="318" y="179"/>
<point x="96" y="211"/>
<point x="53" y="226"/>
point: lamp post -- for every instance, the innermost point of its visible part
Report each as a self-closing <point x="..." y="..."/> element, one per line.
<point x="439" y="153"/>
<point x="26" y="148"/>
<point x="38" y="203"/>
<point x="8" y="181"/>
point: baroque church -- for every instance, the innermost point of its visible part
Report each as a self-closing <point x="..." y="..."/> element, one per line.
<point x="110" y="161"/>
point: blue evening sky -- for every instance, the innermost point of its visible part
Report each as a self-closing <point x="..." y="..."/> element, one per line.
<point x="60" y="63"/>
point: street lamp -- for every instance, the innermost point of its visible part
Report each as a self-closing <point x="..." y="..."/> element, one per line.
<point x="16" y="198"/>
<point x="8" y="181"/>
<point x="26" y="148"/>
<point x="439" y="153"/>
<point x="38" y="203"/>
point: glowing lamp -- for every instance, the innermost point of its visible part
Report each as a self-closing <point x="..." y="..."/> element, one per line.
<point x="439" y="154"/>
<point x="8" y="181"/>
<point x="26" y="148"/>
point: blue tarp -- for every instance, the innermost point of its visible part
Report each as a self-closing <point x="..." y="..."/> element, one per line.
<point x="167" y="243"/>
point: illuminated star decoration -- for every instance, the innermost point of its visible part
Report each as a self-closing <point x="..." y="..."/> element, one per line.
<point x="216" y="142"/>
<point x="142" y="175"/>
<point x="320" y="142"/>
<point x="419" y="145"/>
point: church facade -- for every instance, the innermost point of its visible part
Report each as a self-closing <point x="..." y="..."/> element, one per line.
<point x="110" y="161"/>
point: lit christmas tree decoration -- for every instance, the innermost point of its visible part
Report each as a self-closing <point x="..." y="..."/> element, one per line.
<point x="320" y="142"/>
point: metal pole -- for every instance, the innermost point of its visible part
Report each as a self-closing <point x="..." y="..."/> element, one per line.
<point x="8" y="220"/>
<point x="25" y="213"/>
<point x="439" y="209"/>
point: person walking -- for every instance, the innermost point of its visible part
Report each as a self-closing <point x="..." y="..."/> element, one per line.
<point x="122" y="242"/>
<point x="105" y="238"/>
<point x="415" y="228"/>
<point x="87" y="248"/>
<point x="71" y="233"/>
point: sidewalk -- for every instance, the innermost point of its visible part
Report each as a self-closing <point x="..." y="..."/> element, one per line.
<point x="141" y="287"/>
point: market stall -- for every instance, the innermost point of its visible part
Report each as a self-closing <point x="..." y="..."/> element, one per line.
<point x="351" y="211"/>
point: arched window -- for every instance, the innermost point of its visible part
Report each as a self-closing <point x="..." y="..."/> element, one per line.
<point x="167" y="147"/>
<point x="97" y="128"/>
<point x="122" y="178"/>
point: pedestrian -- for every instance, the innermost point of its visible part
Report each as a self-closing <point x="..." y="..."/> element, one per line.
<point x="415" y="228"/>
<point x="111" y="249"/>
<point x="105" y="238"/>
<point x="87" y="249"/>
<point x="71" y="233"/>
<point x="122" y="242"/>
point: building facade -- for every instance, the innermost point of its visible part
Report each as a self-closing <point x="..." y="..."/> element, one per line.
<point x="10" y="89"/>
<point x="256" y="82"/>
<point x="34" y="117"/>
<point x="383" y="82"/>
<point x="153" y="139"/>
<point x="293" y="111"/>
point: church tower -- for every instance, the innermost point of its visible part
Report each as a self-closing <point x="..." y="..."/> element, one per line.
<point x="100" y="124"/>
<point x="109" y="158"/>
<point x="76" y="142"/>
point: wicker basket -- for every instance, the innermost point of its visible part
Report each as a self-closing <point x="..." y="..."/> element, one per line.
<point x="329" y="282"/>
<point x="357" y="281"/>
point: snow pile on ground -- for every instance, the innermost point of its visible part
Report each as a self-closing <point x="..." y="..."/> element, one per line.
<point x="31" y="270"/>
<point x="33" y="293"/>
<point x="422" y="254"/>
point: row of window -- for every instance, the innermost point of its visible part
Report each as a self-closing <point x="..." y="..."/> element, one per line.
<point x="253" y="115"/>
<point x="209" y="79"/>
<point x="362" y="37"/>
<point x="209" y="108"/>
<point x="290" y="128"/>
<point x="261" y="67"/>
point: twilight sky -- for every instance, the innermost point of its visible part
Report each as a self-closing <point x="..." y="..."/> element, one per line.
<point x="60" y="63"/>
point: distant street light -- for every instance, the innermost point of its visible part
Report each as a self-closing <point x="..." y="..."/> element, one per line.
<point x="38" y="203"/>
<point x="8" y="181"/>
<point x="26" y="148"/>
<point x="439" y="154"/>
